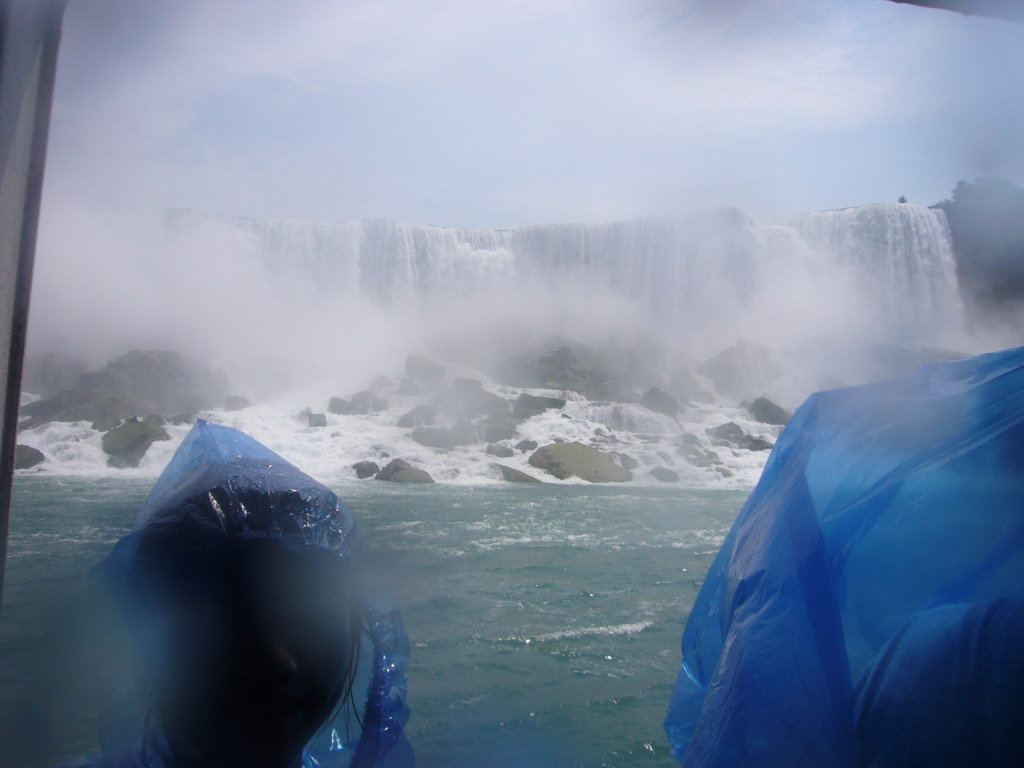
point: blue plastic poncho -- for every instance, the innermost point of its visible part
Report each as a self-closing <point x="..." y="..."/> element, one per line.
<point x="873" y="571"/>
<point x="225" y="483"/>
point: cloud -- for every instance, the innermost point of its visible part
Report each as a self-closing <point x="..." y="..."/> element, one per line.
<point x="506" y="114"/>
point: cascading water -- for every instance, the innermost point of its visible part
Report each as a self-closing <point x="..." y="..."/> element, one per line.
<point x="887" y="269"/>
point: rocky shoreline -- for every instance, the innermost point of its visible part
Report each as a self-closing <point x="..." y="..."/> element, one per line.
<point x="565" y="414"/>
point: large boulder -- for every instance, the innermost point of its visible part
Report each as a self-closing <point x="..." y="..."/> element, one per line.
<point x="401" y="471"/>
<point x="664" y="475"/>
<point x="26" y="457"/>
<point x="365" y="469"/>
<point x="659" y="400"/>
<point x="732" y="434"/>
<point x="499" y="451"/>
<point x="339" y="407"/>
<point x="167" y="381"/>
<point x="467" y="399"/>
<point x="427" y="374"/>
<point x="767" y="412"/>
<point x="743" y="370"/>
<point x="498" y="431"/>
<point x="420" y="416"/>
<point x="47" y="374"/>
<point x="526" y="445"/>
<point x="439" y="437"/>
<point x="367" y="402"/>
<point x="571" y="367"/>
<point x="316" y="419"/>
<point x="102" y="411"/>
<point x="565" y="460"/>
<point x="127" y="444"/>
<point x="527" y="406"/>
<point x="510" y="475"/>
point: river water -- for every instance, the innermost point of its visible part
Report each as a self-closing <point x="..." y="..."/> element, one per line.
<point x="545" y="620"/>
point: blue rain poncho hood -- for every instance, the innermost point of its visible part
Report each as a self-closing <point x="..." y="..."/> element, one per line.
<point x="886" y="532"/>
<point x="221" y="483"/>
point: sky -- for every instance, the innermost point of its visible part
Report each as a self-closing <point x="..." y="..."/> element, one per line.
<point x="501" y="114"/>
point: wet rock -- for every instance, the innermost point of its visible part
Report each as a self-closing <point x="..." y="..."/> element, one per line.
<point x="365" y="469"/>
<point x="664" y="475"/>
<point x="499" y="451"/>
<point x="527" y="406"/>
<point x="467" y="399"/>
<point x="742" y="370"/>
<point x="627" y="461"/>
<point x="767" y="412"/>
<point x="732" y="434"/>
<point x="236" y="403"/>
<point x="104" y="412"/>
<point x="166" y="381"/>
<point x="420" y="416"/>
<point x="127" y="444"/>
<point x="339" y="407"/>
<point x="526" y="445"/>
<point x="401" y="471"/>
<point x="316" y="419"/>
<point x="183" y="418"/>
<point x="510" y="475"/>
<point x="425" y="373"/>
<point x="438" y="437"/>
<point x="26" y="457"/>
<point x="662" y="402"/>
<point x="366" y="402"/>
<point x="565" y="460"/>
<point x="493" y="433"/>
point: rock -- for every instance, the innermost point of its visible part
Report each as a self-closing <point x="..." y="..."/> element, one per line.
<point x="408" y="387"/>
<point x="526" y="445"/>
<point x="26" y="457"/>
<point x="752" y="443"/>
<point x="500" y="451"/>
<point x="236" y="403"/>
<point x="47" y="374"/>
<point x="627" y="461"/>
<point x="767" y="412"/>
<point x="578" y="460"/>
<point x="420" y="416"/>
<point x="103" y="411"/>
<point x="316" y="419"/>
<point x="664" y="475"/>
<point x="494" y="433"/>
<point x="705" y="459"/>
<point x="166" y="381"/>
<point x="467" y="399"/>
<point x="731" y="433"/>
<point x="365" y="469"/>
<point x="127" y="444"/>
<point x="528" y="406"/>
<point x="339" y="407"/>
<point x="742" y="370"/>
<point x="662" y="402"/>
<point x="183" y="418"/>
<point x="365" y="402"/>
<point x="510" y="475"/>
<point x="439" y="437"/>
<point x="689" y="445"/>
<point x="401" y="471"/>
<point x="577" y="368"/>
<point x="426" y="373"/>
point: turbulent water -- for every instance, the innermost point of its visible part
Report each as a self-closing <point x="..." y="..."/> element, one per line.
<point x="545" y="620"/>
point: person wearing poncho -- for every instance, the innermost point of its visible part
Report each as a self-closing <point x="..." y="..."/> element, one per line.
<point x="261" y="640"/>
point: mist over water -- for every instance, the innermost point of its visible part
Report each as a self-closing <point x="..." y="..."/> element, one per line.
<point x="281" y="303"/>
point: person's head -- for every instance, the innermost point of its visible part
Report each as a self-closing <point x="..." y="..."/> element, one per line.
<point x="247" y="643"/>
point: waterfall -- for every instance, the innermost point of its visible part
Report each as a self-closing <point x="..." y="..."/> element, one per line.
<point x="887" y="268"/>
